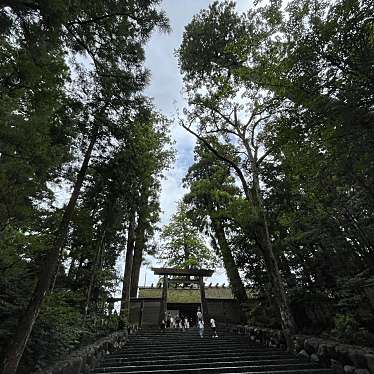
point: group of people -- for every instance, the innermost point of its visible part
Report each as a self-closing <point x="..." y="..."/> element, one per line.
<point x="183" y="323"/>
<point x="200" y="325"/>
<point x="179" y="322"/>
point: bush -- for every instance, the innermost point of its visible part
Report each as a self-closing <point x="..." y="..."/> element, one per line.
<point x="61" y="329"/>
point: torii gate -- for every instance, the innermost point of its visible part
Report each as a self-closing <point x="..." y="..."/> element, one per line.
<point x="200" y="273"/>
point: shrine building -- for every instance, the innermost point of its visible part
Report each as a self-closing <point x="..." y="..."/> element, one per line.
<point x="183" y="292"/>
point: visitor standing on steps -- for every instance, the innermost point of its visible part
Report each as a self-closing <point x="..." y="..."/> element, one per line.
<point x="199" y="315"/>
<point x="213" y="327"/>
<point x="168" y="320"/>
<point x="181" y="323"/>
<point x="200" y="327"/>
<point x="163" y="325"/>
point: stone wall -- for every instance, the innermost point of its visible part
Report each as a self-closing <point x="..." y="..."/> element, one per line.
<point x="344" y="358"/>
<point x="85" y="359"/>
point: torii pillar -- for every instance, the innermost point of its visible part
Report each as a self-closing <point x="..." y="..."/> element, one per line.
<point x="164" y="300"/>
<point x="204" y="304"/>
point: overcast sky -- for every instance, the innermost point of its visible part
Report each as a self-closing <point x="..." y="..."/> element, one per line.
<point x="165" y="87"/>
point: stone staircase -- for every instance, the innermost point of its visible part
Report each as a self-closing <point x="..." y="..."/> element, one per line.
<point x="174" y="351"/>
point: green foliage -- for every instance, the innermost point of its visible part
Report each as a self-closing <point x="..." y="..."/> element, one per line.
<point x="183" y="245"/>
<point x="345" y="326"/>
<point x="303" y="73"/>
<point x="71" y="74"/>
<point x="60" y="315"/>
<point x="348" y="330"/>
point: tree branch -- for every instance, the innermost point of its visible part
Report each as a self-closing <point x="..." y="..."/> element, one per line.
<point x="103" y="17"/>
<point x="223" y="158"/>
<point x="254" y="128"/>
<point x="263" y="157"/>
<point x="84" y="45"/>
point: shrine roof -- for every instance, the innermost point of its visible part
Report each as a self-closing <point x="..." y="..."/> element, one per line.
<point x="192" y="272"/>
<point x="188" y="295"/>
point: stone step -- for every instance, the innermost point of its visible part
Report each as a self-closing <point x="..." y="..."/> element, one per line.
<point x="195" y="346"/>
<point x="230" y="369"/>
<point x="197" y="339"/>
<point x="202" y="363"/>
<point x="194" y="351"/>
<point x="181" y="336"/>
<point x="192" y="331"/>
<point x="202" y="360"/>
<point x="207" y="356"/>
<point x="185" y="352"/>
<point x="206" y="340"/>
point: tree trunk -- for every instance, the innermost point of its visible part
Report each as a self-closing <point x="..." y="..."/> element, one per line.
<point x="125" y="302"/>
<point x="138" y="256"/>
<point x="72" y="269"/>
<point x="286" y="270"/>
<point x="232" y="272"/>
<point x="78" y="273"/>
<point x="95" y="269"/>
<point x="264" y="242"/>
<point x="288" y="323"/>
<point x="47" y="271"/>
<point x="253" y="196"/>
<point x="136" y="265"/>
<point x="271" y="263"/>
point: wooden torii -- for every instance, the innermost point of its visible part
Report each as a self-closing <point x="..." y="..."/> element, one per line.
<point x="200" y="273"/>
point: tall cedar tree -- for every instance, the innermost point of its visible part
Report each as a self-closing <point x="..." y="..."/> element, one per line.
<point x="111" y="35"/>
<point x="211" y="192"/>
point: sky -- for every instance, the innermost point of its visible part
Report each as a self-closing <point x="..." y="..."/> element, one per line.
<point x="166" y="89"/>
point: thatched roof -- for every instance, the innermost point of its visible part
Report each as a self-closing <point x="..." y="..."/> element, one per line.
<point x="191" y="272"/>
<point x="187" y="295"/>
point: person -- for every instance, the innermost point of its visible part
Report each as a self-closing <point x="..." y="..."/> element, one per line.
<point x="181" y="323"/>
<point x="168" y="320"/>
<point x="163" y="325"/>
<point x="213" y="327"/>
<point x="186" y="323"/>
<point x="172" y="324"/>
<point x="200" y="327"/>
<point x="199" y="315"/>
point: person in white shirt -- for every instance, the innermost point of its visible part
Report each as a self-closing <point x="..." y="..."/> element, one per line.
<point x="199" y="315"/>
<point x="213" y="327"/>
<point x="200" y="327"/>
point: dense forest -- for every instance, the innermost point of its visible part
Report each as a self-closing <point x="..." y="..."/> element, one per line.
<point x="75" y="127"/>
<point x="281" y="102"/>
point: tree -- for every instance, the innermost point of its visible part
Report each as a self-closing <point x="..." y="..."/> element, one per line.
<point x="216" y="106"/>
<point x="211" y="193"/>
<point x="147" y="156"/>
<point x="313" y="57"/>
<point x="183" y="245"/>
<point x="107" y="89"/>
<point x="289" y="88"/>
<point x="320" y="65"/>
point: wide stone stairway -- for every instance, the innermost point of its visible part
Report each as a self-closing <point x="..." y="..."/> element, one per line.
<point x="173" y="351"/>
